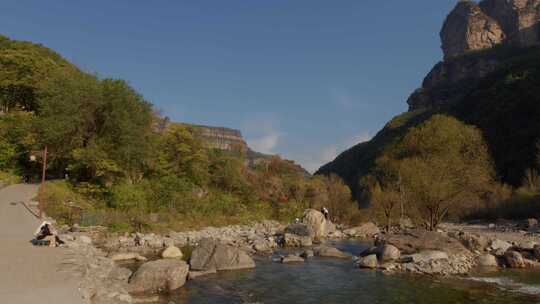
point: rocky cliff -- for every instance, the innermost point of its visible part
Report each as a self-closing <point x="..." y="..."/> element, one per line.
<point x="223" y="138"/>
<point x="477" y="26"/>
<point x="489" y="78"/>
<point x="476" y="38"/>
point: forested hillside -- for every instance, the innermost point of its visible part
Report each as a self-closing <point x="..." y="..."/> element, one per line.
<point x="110" y="153"/>
<point x="502" y="109"/>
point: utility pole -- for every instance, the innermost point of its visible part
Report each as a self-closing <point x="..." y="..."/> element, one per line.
<point x="42" y="187"/>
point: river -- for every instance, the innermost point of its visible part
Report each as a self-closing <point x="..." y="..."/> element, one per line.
<point x="324" y="280"/>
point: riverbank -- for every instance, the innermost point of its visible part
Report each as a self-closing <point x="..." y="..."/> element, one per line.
<point x="110" y="263"/>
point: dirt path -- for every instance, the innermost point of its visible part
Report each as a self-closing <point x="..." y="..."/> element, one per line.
<point x="30" y="274"/>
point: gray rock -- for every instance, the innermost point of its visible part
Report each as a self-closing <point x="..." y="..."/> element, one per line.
<point x="316" y="223"/>
<point x="308" y="253"/>
<point x="202" y="258"/>
<point x="158" y="276"/>
<point x="120" y="274"/>
<point x="126" y="256"/>
<point x="366" y="230"/>
<point x="326" y="251"/>
<point x="291" y="259"/>
<point x="172" y="252"/>
<point x="230" y="258"/>
<point x="526" y="245"/>
<point x="532" y="223"/>
<point x="425" y="256"/>
<point x="514" y="259"/>
<point x="84" y="239"/>
<point x="211" y="255"/>
<point x="369" y="261"/>
<point x="500" y="245"/>
<point x="474" y="242"/>
<point x="389" y="253"/>
<point x="487" y="260"/>
<point x="299" y="229"/>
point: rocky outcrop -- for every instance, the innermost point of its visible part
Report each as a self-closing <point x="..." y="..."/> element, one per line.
<point x="222" y="138"/>
<point x="158" y="276"/>
<point x="477" y="26"/>
<point x="467" y="28"/>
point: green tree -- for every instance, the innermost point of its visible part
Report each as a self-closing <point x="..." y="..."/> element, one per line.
<point x="183" y="154"/>
<point x="444" y="166"/>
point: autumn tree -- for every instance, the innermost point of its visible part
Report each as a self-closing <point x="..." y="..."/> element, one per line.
<point x="443" y="166"/>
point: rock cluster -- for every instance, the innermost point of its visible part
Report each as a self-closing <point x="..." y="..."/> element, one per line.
<point x="476" y="26"/>
<point x="259" y="237"/>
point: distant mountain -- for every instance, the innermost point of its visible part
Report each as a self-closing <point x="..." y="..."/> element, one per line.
<point x="490" y="78"/>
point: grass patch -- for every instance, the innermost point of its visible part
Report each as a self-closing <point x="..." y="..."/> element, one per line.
<point x="9" y="178"/>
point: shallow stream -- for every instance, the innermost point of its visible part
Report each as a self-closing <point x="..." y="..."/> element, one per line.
<point x="325" y="280"/>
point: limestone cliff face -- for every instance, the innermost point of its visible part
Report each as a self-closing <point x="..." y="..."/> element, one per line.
<point x="223" y="138"/>
<point x="473" y="26"/>
<point x="469" y="28"/>
<point x="477" y="26"/>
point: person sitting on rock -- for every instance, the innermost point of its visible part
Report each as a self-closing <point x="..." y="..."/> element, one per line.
<point x="46" y="233"/>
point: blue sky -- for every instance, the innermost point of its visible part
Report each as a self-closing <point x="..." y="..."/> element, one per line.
<point x="305" y="79"/>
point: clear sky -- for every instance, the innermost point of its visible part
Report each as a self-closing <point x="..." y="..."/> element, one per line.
<point x="305" y="79"/>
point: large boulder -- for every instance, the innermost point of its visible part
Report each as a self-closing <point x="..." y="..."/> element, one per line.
<point x="366" y="230"/>
<point x="159" y="276"/>
<point x="172" y="252"/>
<point x="389" y="253"/>
<point x="231" y="258"/>
<point x="369" y="261"/>
<point x="210" y="255"/>
<point x="331" y="252"/>
<point x="487" y="260"/>
<point x="413" y="241"/>
<point x="202" y="258"/>
<point x="318" y="225"/>
<point x="514" y="259"/>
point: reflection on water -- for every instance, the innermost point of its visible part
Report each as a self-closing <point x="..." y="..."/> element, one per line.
<point x="323" y="280"/>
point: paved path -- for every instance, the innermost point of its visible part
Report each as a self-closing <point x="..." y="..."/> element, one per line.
<point x="28" y="274"/>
